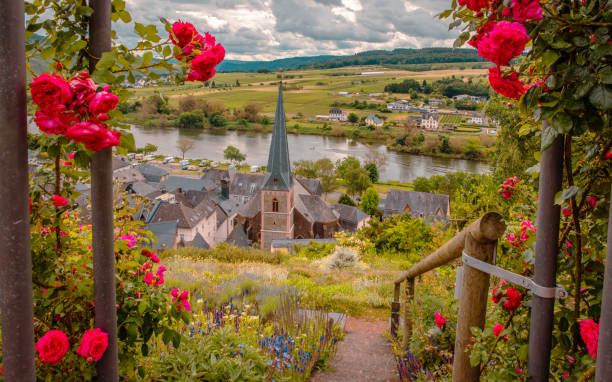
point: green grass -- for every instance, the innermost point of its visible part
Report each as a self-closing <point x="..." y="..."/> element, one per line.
<point x="451" y="119"/>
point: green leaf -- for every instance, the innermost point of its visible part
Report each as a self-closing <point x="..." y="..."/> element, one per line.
<point x="167" y="51"/>
<point x="83" y="10"/>
<point x="132" y="332"/>
<point x="125" y="16"/>
<point x="523" y="352"/>
<point x="606" y="75"/>
<point x="562" y="123"/>
<point x="560" y="44"/>
<point x="119" y="5"/>
<point x="550" y="57"/>
<point x="48" y="53"/>
<point x="601" y="97"/>
<point x="142" y="307"/>
<point x="82" y="158"/>
<point x="463" y="37"/>
<point x="531" y="97"/>
<point x="551" y="82"/>
<point x="140" y="29"/>
<point x="167" y="336"/>
<point x="144" y="349"/>
<point x="548" y="137"/>
<point x="566" y="194"/>
<point x="147" y="58"/>
<point x="445" y="13"/>
<point x="79" y="45"/>
<point x="106" y="61"/>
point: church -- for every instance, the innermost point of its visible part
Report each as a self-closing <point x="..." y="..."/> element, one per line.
<point x="285" y="207"/>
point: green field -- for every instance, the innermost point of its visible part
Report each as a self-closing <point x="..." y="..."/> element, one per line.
<point x="447" y="119"/>
<point x="311" y="92"/>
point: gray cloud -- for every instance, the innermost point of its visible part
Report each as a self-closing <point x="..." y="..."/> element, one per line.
<point x="268" y="29"/>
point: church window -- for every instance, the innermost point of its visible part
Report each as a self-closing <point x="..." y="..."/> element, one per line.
<point x="275" y="205"/>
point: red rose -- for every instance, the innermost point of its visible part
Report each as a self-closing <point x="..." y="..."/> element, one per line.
<point x="183" y="34"/>
<point x="497" y="329"/>
<point x="52" y="347"/>
<point x="94" y="136"/>
<point x="525" y="10"/>
<point x="439" y="319"/>
<point x="475" y="5"/>
<point x="219" y="52"/>
<point x="50" y="92"/>
<point x="509" y="86"/>
<point x="496" y="296"/>
<point x="59" y="201"/>
<point x="514" y="299"/>
<point x="589" y="331"/>
<point x="103" y="102"/>
<point x="609" y="155"/>
<point x="82" y="88"/>
<point x="481" y="32"/>
<point x="93" y="345"/>
<point x="53" y="123"/>
<point x="203" y="66"/>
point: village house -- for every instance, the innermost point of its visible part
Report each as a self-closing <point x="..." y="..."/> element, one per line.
<point x="373" y="120"/>
<point x="400" y="105"/>
<point x="431" y="207"/>
<point x="351" y="218"/>
<point x="429" y="121"/>
<point x="336" y="114"/>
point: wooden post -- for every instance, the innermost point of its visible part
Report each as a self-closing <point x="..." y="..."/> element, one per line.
<point x="102" y="211"/>
<point x="15" y="259"/>
<point x="604" y="349"/>
<point x="407" y="321"/>
<point x="472" y="306"/>
<point x="395" y="307"/>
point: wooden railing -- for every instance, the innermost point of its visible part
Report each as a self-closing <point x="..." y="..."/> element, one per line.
<point x="479" y="240"/>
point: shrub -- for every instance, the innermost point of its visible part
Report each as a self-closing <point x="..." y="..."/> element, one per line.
<point x="345" y="199"/>
<point x="217" y="119"/>
<point x="227" y="253"/>
<point x="190" y="119"/>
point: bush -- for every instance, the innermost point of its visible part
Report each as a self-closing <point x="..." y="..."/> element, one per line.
<point x="190" y="119"/>
<point x="227" y="253"/>
<point x="345" y="199"/>
<point x="217" y="119"/>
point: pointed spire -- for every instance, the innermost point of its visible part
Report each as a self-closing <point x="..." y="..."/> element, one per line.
<point x="279" y="166"/>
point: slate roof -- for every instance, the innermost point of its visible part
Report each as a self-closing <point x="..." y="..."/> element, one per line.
<point x="251" y="208"/>
<point x="335" y="110"/>
<point x="151" y="173"/>
<point x="422" y="204"/>
<point x="221" y="216"/>
<point x="128" y="175"/>
<point x="238" y="237"/>
<point x="165" y="232"/>
<point x="430" y="115"/>
<point x="314" y="208"/>
<point x="118" y="163"/>
<point x="216" y="175"/>
<point x="186" y="216"/>
<point x="312" y="185"/>
<point x="349" y="216"/>
<point x="142" y="188"/>
<point x="279" y="166"/>
<point x="246" y="184"/>
<point x="374" y="119"/>
<point x="174" y="181"/>
<point x="198" y="242"/>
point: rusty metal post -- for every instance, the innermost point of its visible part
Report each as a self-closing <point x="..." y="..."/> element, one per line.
<point x="472" y="306"/>
<point x="102" y="211"/>
<point x="15" y="260"/>
<point x="604" y="349"/>
<point x="540" y="331"/>
<point x="407" y="321"/>
<point x="395" y="308"/>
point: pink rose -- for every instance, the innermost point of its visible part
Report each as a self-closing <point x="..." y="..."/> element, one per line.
<point x="150" y="278"/>
<point x="94" y="136"/>
<point x="566" y="211"/>
<point x="52" y="347"/>
<point x="497" y="329"/>
<point x="93" y="345"/>
<point x="202" y="67"/>
<point x="514" y="299"/>
<point x="59" y="201"/>
<point x="439" y="319"/>
<point x="83" y="88"/>
<point x="475" y="5"/>
<point x="50" y="93"/>
<point x="592" y="201"/>
<point x="506" y="41"/>
<point x="589" y="331"/>
<point x="103" y="102"/>
<point x="526" y="10"/>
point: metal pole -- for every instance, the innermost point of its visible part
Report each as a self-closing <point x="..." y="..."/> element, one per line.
<point x="540" y="333"/>
<point x="102" y="211"/>
<point x="604" y="348"/>
<point x="15" y="260"/>
<point x="472" y="306"/>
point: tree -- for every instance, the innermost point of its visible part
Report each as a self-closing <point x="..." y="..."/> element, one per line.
<point x="444" y="144"/>
<point x="353" y="118"/>
<point x="326" y="173"/>
<point x="345" y="164"/>
<point x="377" y="157"/>
<point x="150" y="148"/>
<point x="372" y="171"/>
<point x="217" y="119"/>
<point x="369" y="201"/>
<point x="304" y="168"/>
<point x="265" y="120"/>
<point x="357" y="180"/>
<point x="472" y="148"/>
<point x="233" y="153"/>
<point x="345" y="199"/>
<point x="191" y="119"/>
<point x="184" y="145"/>
<point x="251" y="111"/>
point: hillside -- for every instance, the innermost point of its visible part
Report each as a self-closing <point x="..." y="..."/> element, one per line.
<point x="285" y="63"/>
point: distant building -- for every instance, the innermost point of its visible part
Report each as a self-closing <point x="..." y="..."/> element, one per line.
<point x="476" y="120"/>
<point x="336" y="114"/>
<point x="429" y="121"/>
<point x="436" y="102"/>
<point x="401" y="105"/>
<point x="431" y="207"/>
<point x="351" y="218"/>
<point x="373" y="120"/>
<point x="152" y="173"/>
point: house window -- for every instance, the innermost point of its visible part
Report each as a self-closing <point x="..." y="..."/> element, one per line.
<point x="274" y="205"/>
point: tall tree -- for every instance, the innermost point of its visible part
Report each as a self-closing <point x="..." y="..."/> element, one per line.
<point x="326" y="172"/>
<point x="369" y="201"/>
<point x="346" y="164"/>
<point x="233" y="153"/>
<point x="357" y="180"/>
<point x="184" y="145"/>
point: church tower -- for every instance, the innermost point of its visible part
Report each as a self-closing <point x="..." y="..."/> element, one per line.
<point x="277" y="193"/>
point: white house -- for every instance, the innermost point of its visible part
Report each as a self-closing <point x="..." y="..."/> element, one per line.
<point x="373" y="120"/>
<point x="401" y="105"/>
<point x="429" y="121"/>
<point x="336" y="114"/>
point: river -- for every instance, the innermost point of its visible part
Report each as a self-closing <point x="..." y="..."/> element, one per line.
<point x="210" y="145"/>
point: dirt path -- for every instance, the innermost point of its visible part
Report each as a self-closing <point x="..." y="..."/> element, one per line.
<point x="363" y="355"/>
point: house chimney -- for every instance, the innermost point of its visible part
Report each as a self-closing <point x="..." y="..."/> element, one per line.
<point x="225" y="189"/>
<point x="180" y="190"/>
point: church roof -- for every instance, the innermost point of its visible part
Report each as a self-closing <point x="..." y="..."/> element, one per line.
<point x="279" y="166"/>
<point x="314" y="208"/>
<point x="419" y="204"/>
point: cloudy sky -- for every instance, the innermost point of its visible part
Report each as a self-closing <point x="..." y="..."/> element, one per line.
<point x="270" y="29"/>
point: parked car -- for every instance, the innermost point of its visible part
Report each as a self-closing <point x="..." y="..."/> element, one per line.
<point x="255" y="168"/>
<point x="149" y="157"/>
<point x="214" y="164"/>
<point x="168" y="159"/>
<point x="184" y="162"/>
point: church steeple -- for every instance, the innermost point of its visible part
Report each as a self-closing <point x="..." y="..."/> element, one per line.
<point x="279" y="166"/>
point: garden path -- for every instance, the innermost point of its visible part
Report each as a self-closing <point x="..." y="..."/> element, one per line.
<point x="364" y="355"/>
